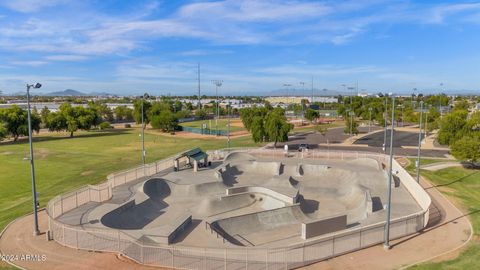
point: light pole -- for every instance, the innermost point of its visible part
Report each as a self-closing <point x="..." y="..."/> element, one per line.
<point x="352" y="113"/>
<point x="370" y="119"/>
<point x="287" y="85"/>
<point x="301" y="100"/>
<point x="384" y="147"/>
<point x="143" y="129"/>
<point x="386" y="245"/>
<point x="228" y="125"/>
<point x="217" y="83"/>
<point x="419" y="141"/>
<point x="426" y="123"/>
<point x="36" y="231"/>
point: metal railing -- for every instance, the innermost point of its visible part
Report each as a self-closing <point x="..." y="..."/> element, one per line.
<point x="313" y="250"/>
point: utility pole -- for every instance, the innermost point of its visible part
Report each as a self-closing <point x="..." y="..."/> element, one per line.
<point x="287" y="85"/>
<point x="36" y="231"/>
<point x="426" y="124"/>
<point x="228" y="124"/>
<point x="301" y="100"/>
<point x="385" y="124"/>
<point x="143" y="129"/>
<point x="217" y="83"/>
<point x="199" y="98"/>
<point x="312" y="91"/>
<point x="386" y="245"/>
<point x="370" y="119"/>
<point x="419" y="142"/>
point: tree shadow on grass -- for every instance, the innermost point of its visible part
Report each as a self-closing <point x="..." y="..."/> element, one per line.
<point x="455" y="181"/>
<point x="88" y="134"/>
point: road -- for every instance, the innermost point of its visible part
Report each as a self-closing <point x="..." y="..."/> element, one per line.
<point x="370" y="143"/>
<point x="401" y="138"/>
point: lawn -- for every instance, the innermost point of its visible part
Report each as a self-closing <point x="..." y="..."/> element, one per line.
<point x="63" y="164"/>
<point x="462" y="186"/>
<point x="235" y="124"/>
<point x="301" y="129"/>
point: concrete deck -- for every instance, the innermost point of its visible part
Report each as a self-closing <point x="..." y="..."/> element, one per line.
<point x="290" y="192"/>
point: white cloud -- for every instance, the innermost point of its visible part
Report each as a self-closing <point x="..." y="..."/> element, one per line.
<point x="29" y="63"/>
<point x="439" y="13"/>
<point x="27" y="6"/>
<point x="66" y="57"/>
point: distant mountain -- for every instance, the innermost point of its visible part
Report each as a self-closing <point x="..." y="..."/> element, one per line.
<point x="67" y="93"/>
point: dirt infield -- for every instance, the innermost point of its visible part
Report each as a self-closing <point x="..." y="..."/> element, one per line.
<point x="448" y="230"/>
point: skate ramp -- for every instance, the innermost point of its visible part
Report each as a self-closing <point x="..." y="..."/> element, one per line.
<point x="312" y="169"/>
<point x="132" y="216"/>
<point x="272" y="223"/>
<point x="366" y="162"/>
<point x="238" y="157"/>
<point x="260" y="168"/>
<point x="215" y="206"/>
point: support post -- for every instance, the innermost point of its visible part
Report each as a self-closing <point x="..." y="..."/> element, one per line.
<point x="386" y="245"/>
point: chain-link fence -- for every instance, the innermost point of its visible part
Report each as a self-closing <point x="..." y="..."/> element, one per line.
<point x="320" y="248"/>
<point x="205" y="131"/>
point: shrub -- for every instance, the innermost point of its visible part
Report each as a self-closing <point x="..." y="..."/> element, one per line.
<point x="105" y="125"/>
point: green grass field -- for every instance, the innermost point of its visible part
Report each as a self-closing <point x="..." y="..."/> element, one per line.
<point x="63" y="164"/>
<point x="222" y="124"/>
<point x="463" y="186"/>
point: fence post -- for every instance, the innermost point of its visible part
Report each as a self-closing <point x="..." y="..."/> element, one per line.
<point x="303" y="254"/>
<point x="141" y="253"/>
<point x="76" y="238"/>
<point x="63" y="234"/>
<point x="225" y="258"/>
<point x="285" y="258"/>
<point x="205" y="258"/>
<point x="173" y="257"/>
<point x="118" y="239"/>
<point x="266" y="259"/>
<point x="61" y="204"/>
<point x="76" y="199"/>
<point x="246" y="258"/>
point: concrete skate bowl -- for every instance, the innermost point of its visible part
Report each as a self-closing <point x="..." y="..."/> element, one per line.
<point x="261" y="227"/>
<point x="147" y="205"/>
<point x="333" y="191"/>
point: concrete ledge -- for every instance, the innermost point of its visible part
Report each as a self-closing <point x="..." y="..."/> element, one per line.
<point x="326" y="225"/>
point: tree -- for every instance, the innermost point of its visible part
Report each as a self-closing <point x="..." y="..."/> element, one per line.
<point x="277" y="127"/>
<point x="351" y="125"/>
<point x="258" y="129"/>
<point x="3" y="132"/>
<point x="201" y="113"/>
<point x="467" y="149"/>
<point x="452" y="127"/>
<point x="44" y="115"/>
<point x="311" y="115"/>
<point x="137" y="111"/>
<point x="71" y="119"/>
<point x="120" y="113"/>
<point x="166" y="121"/>
<point x="15" y="121"/>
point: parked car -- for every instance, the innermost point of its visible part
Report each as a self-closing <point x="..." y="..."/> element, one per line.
<point x="302" y="147"/>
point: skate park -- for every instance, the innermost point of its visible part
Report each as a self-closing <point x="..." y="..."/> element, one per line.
<point x="248" y="203"/>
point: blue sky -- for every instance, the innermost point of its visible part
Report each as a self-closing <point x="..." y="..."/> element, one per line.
<point x="129" y="47"/>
